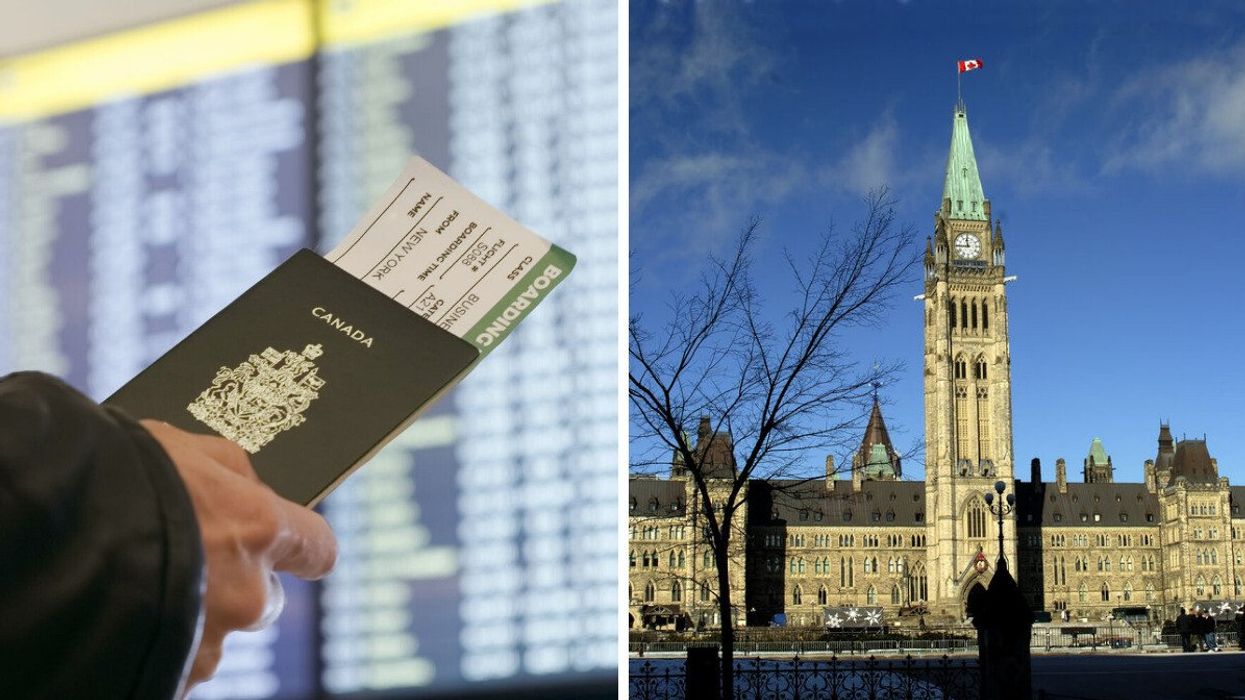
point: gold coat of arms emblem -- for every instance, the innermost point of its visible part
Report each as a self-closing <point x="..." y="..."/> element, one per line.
<point x="262" y="397"/>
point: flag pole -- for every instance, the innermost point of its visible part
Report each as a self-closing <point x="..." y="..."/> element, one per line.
<point x="958" y="99"/>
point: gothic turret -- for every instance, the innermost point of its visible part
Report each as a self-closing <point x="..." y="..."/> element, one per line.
<point x="1166" y="453"/>
<point x="1097" y="465"/>
<point x="876" y="460"/>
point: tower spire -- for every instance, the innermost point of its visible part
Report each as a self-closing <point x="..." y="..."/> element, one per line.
<point x="962" y="196"/>
<point x="877" y="458"/>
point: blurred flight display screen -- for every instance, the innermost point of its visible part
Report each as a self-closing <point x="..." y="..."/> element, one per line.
<point x="479" y="549"/>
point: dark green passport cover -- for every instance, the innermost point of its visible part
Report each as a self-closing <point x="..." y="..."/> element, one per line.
<point x="310" y="370"/>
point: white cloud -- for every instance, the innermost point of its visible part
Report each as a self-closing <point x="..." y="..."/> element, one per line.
<point x="710" y="195"/>
<point x="1032" y="166"/>
<point x="871" y="162"/>
<point x="707" y="61"/>
<point x="1189" y="114"/>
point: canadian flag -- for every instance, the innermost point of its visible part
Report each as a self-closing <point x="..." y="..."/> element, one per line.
<point x="970" y="64"/>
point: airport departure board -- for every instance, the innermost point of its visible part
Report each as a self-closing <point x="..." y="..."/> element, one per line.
<point x="479" y="549"/>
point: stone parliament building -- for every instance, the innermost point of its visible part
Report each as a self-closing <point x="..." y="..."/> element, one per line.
<point x="805" y="548"/>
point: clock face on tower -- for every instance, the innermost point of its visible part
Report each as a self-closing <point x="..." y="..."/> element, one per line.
<point x="967" y="246"/>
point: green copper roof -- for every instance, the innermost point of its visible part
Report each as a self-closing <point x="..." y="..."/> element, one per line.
<point x="1097" y="453"/>
<point x="963" y="184"/>
<point x="879" y="461"/>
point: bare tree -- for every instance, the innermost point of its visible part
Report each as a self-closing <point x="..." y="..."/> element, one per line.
<point x="779" y="383"/>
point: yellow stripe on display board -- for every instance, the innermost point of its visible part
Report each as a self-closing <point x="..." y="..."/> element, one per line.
<point x="344" y="22"/>
<point x="155" y="58"/>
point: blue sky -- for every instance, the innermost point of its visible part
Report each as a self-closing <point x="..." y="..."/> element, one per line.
<point x="1111" y="142"/>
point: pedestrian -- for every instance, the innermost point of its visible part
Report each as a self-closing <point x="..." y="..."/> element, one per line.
<point x="1240" y="626"/>
<point x="1208" y="632"/>
<point x="1199" y="630"/>
<point x="1184" y="627"/>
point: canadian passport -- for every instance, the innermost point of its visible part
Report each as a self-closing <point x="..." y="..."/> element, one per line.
<point x="323" y="361"/>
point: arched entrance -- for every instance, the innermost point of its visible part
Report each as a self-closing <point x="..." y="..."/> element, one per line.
<point x="979" y="572"/>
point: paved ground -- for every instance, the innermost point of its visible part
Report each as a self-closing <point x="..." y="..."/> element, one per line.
<point x="1141" y="676"/>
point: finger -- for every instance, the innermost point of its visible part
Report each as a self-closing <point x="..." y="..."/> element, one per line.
<point x="225" y="452"/>
<point x="305" y="546"/>
<point x="220" y="450"/>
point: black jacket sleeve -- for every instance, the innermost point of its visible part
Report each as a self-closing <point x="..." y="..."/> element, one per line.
<point x="100" y="559"/>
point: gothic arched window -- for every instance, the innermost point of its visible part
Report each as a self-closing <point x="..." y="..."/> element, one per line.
<point x="1106" y="593"/>
<point x="976" y="520"/>
<point x="871" y="595"/>
<point x="650" y="592"/>
<point x="822" y="596"/>
<point x="918" y="583"/>
<point x="796" y="596"/>
<point x="961" y="368"/>
<point x="895" y="594"/>
<point x="676" y="592"/>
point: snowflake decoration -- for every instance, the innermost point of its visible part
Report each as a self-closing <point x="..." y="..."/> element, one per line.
<point x="874" y="617"/>
<point x="835" y="621"/>
<point x="1224" y="607"/>
<point x="852" y="614"/>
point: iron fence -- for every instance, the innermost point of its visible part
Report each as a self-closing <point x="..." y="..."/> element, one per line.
<point x="856" y="678"/>
<point x="1053" y="638"/>
<point x="805" y="647"/>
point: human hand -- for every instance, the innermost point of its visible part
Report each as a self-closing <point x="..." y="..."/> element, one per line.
<point x="248" y="531"/>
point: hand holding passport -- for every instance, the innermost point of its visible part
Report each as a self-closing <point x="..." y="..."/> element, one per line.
<point x="319" y="364"/>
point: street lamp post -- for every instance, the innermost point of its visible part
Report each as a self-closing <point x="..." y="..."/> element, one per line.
<point x="1004" y="507"/>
